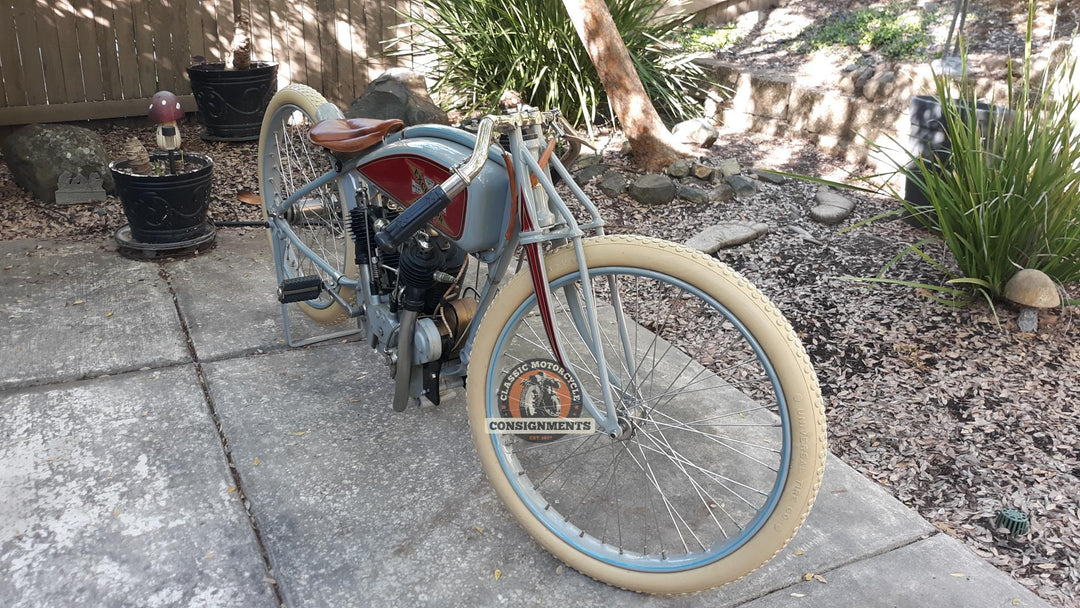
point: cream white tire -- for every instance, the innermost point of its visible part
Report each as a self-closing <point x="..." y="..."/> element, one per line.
<point x="776" y="339"/>
<point x="314" y="106"/>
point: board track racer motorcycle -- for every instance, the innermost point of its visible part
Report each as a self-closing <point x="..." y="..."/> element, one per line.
<point x="643" y="411"/>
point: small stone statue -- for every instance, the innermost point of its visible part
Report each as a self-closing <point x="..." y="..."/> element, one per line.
<point x="74" y="187"/>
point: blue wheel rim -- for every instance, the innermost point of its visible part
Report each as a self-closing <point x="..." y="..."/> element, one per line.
<point x="606" y="552"/>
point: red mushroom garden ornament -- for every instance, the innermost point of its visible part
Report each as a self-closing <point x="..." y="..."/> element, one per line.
<point x="165" y="111"/>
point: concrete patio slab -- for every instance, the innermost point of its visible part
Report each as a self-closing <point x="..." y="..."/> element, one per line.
<point x="938" y="571"/>
<point x="228" y="297"/>
<point x="116" y="492"/>
<point x="78" y="310"/>
<point x="356" y="502"/>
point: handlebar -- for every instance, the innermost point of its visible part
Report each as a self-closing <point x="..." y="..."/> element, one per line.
<point x="438" y="198"/>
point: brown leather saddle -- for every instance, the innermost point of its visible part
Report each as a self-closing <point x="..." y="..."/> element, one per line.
<point x="352" y="135"/>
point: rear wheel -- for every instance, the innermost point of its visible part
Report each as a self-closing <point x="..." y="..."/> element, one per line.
<point x="722" y="441"/>
<point x="287" y="162"/>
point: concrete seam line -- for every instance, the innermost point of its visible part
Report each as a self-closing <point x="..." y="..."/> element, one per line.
<point x="879" y="552"/>
<point x="224" y="442"/>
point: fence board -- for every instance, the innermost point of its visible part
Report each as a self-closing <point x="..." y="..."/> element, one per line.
<point x="196" y="34"/>
<point x="360" y="38"/>
<point x="106" y="49"/>
<point x="89" y="62"/>
<point x="181" y="47"/>
<point x="68" y="50"/>
<point x="277" y="20"/>
<point x="83" y="111"/>
<point x="262" y="35"/>
<point x="129" y="59"/>
<point x="292" y="60"/>
<point x="327" y="49"/>
<point x="312" y="75"/>
<point x="12" y="76"/>
<point x="221" y="31"/>
<point x="343" y="36"/>
<point x="390" y="20"/>
<point x="52" y="65"/>
<point x="163" y="19"/>
<point x="143" y="25"/>
<point x="26" y="28"/>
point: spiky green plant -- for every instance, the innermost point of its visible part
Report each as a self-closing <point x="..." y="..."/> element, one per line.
<point x="1007" y="194"/>
<point x="477" y="49"/>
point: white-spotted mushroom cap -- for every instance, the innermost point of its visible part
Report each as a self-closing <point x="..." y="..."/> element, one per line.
<point x="165" y="107"/>
<point x="1033" y="288"/>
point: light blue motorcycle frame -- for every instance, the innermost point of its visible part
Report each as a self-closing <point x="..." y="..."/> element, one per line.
<point x="567" y="230"/>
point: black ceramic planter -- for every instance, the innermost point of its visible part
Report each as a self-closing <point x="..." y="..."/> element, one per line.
<point x="166" y="209"/>
<point x="232" y="102"/>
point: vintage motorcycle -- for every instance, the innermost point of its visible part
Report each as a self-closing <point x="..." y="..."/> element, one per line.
<point x="683" y="438"/>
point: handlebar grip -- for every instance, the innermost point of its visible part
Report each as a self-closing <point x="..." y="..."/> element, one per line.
<point x="412" y="219"/>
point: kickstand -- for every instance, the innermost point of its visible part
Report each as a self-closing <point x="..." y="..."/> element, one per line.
<point x="321" y="338"/>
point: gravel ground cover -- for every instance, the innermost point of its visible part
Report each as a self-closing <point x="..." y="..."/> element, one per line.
<point x="954" y="411"/>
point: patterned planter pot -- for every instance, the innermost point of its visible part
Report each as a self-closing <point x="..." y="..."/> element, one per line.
<point x="164" y="209"/>
<point x="232" y="102"/>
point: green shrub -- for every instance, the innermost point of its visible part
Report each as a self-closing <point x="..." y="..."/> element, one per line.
<point x="1007" y="196"/>
<point x="890" y="30"/>
<point x="478" y="49"/>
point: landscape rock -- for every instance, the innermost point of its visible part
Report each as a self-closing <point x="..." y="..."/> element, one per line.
<point x="728" y="167"/>
<point x="726" y="234"/>
<point x="586" y="158"/>
<point x="854" y="81"/>
<point x="832" y="208"/>
<point x="693" y="194"/>
<point x="701" y="171"/>
<point x="1031" y="287"/>
<point x="398" y="93"/>
<point x="38" y="154"/>
<point x="587" y="173"/>
<point x="879" y="86"/>
<point x="697" y="131"/>
<point x="652" y="189"/>
<point x="742" y="185"/>
<point x="721" y="193"/>
<point x="679" y="168"/>
<point x="767" y="175"/>
<point x="613" y="183"/>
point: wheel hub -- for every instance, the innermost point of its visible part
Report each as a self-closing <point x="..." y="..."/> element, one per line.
<point x="629" y="420"/>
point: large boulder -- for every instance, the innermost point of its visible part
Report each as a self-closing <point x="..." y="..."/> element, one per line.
<point x="38" y="154"/>
<point x="398" y="93"/>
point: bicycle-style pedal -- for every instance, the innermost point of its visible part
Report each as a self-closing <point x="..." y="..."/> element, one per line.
<point x="300" y="289"/>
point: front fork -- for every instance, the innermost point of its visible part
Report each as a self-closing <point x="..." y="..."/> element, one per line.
<point x="588" y="327"/>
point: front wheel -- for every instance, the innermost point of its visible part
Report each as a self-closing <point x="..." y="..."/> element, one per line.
<point x="722" y="442"/>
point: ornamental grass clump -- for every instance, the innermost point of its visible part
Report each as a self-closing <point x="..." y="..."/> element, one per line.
<point x="479" y="49"/>
<point x="1006" y="196"/>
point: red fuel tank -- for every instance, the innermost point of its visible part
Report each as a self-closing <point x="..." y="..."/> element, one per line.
<point x="423" y="158"/>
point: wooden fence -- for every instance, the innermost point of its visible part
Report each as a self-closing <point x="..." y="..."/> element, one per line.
<point x="64" y="60"/>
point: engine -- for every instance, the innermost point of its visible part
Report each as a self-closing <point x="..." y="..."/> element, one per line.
<point x="424" y="277"/>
